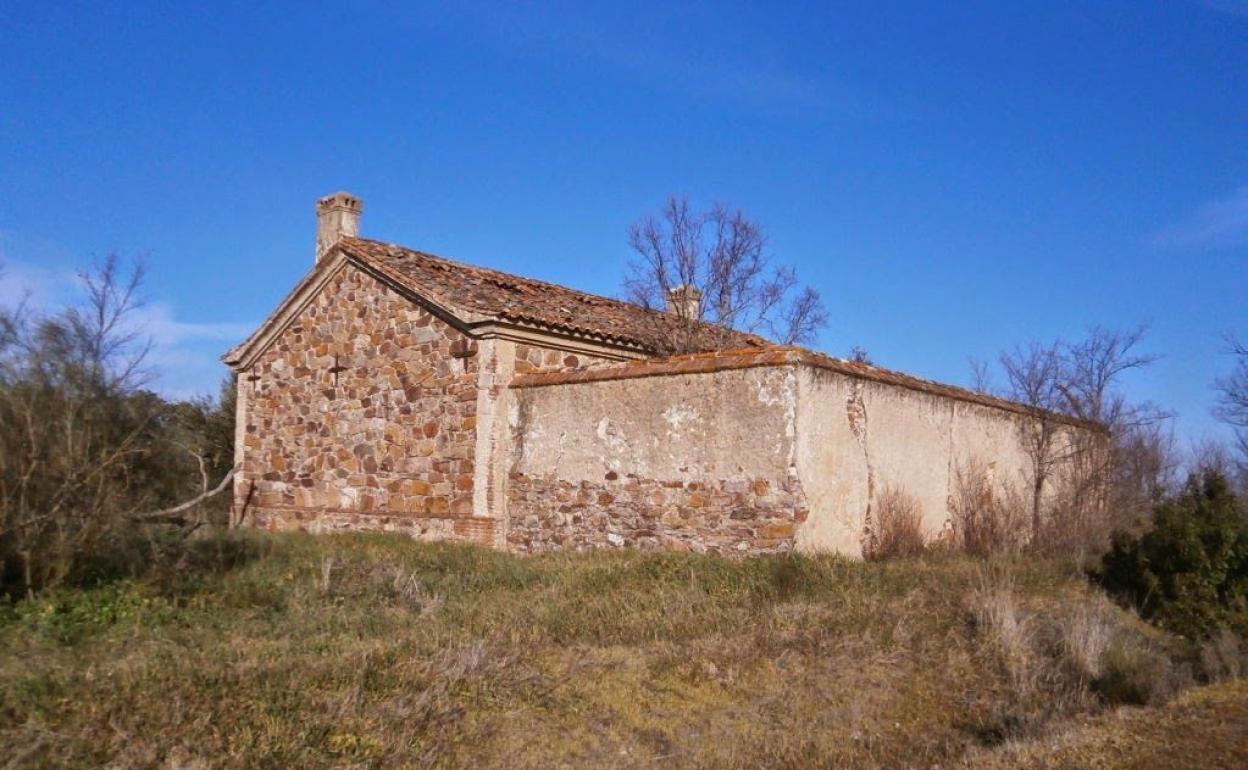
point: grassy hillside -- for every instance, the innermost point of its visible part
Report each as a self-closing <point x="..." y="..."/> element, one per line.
<point x="1205" y="728"/>
<point x="357" y="651"/>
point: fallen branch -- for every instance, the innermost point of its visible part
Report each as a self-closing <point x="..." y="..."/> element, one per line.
<point x="174" y="515"/>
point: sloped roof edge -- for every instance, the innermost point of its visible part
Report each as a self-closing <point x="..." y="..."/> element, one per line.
<point x="468" y="296"/>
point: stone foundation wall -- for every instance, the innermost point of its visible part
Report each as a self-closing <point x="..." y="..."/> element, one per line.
<point x="320" y="521"/>
<point x="721" y="517"/>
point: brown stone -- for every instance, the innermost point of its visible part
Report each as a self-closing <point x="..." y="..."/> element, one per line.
<point x="777" y="530"/>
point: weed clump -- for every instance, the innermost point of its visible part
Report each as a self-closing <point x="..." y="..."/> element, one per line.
<point x="898" y="528"/>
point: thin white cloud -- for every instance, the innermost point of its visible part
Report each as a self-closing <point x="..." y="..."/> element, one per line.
<point x="30" y="281"/>
<point x="159" y="322"/>
<point x="185" y="355"/>
<point x="1222" y="222"/>
<point x="184" y="358"/>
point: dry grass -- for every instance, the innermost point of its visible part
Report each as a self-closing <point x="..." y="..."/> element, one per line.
<point x="1206" y="729"/>
<point x="986" y="518"/>
<point x="371" y="652"/>
<point x="898" y="530"/>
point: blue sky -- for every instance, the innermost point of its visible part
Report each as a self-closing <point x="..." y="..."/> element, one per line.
<point x="953" y="177"/>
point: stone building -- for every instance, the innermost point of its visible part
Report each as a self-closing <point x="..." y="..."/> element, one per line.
<point x="397" y="391"/>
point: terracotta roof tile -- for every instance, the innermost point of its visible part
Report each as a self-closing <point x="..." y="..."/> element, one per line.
<point x="507" y="297"/>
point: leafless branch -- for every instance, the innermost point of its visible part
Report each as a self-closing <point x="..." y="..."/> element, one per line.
<point x="721" y="255"/>
<point x="174" y="515"/>
<point x="1232" y="405"/>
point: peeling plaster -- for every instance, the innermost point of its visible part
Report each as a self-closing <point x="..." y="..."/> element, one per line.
<point x="678" y="415"/>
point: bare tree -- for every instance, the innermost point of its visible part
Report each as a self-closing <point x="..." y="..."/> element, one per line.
<point x="1092" y="370"/>
<point x="1033" y="374"/>
<point x="1124" y="477"/>
<point x="981" y="375"/>
<point x="1232" y="407"/>
<point x="83" y="447"/>
<point x="1107" y="481"/>
<point x="710" y="272"/>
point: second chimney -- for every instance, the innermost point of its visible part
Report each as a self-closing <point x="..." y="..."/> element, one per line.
<point x="337" y="217"/>
<point x="685" y="302"/>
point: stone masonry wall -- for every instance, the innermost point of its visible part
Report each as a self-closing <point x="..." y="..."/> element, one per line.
<point x="362" y="415"/>
<point x="723" y="516"/>
<point x="533" y="358"/>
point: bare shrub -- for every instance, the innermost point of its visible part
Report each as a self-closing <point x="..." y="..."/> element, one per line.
<point x="385" y="581"/>
<point x="409" y="590"/>
<point x="984" y="518"/>
<point x="1063" y="658"/>
<point x="1038" y="689"/>
<point x="1076" y="517"/>
<point x="71" y="427"/>
<point x="898" y="529"/>
<point x="327" y="575"/>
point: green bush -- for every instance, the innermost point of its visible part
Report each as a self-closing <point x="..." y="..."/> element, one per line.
<point x="1188" y="574"/>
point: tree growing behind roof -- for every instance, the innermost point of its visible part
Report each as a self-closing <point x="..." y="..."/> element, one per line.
<point x="708" y="271"/>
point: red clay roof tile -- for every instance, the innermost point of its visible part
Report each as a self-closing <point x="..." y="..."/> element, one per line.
<point x="507" y="297"/>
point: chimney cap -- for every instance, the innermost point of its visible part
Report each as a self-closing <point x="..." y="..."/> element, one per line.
<point x="340" y="199"/>
<point x="337" y="217"/>
<point x="685" y="290"/>
<point x="684" y="301"/>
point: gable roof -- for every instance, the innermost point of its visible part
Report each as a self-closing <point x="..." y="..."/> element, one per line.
<point x="506" y="297"/>
<point x="478" y="295"/>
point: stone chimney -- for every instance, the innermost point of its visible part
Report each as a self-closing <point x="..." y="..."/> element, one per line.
<point x="337" y="217"/>
<point x="684" y="301"/>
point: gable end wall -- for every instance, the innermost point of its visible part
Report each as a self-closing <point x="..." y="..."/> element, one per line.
<point x="389" y="446"/>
